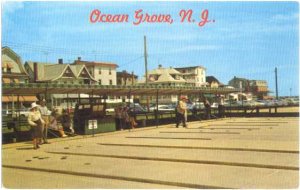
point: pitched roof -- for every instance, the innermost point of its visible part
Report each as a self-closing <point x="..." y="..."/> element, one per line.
<point x="125" y="74"/>
<point x="161" y="70"/>
<point x="238" y="78"/>
<point x="52" y="72"/>
<point x="192" y="67"/>
<point x="78" y="69"/>
<point x="92" y="63"/>
<point x="210" y="79"/>
<point x="165" y="76"/>
<point x="14" y="56"/>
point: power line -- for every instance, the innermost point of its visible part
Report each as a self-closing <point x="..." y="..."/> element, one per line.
<point x="34" y="48"/>
<point x="122" y="65"/>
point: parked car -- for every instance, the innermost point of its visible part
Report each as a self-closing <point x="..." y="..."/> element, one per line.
<point x="110" y="110"/>
<point x="137" y="108"/>
<point x="292" y="101"/>
<point x="214" y="105"/>
<point x="196" y="105"/>
<point x="22" y="113"/>
<point x="162" y="108"/>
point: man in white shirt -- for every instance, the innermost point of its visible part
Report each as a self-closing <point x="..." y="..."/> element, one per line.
<point x="221" y="107"/>
<point x="181" y="111"/>
<point x="45" y="116"/>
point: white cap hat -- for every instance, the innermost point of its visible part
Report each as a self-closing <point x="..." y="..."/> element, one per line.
<point x="33" y="105"/>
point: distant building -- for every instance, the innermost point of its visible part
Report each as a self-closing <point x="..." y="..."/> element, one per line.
<point x="104" y="73"/>
<point x="258" y="88"/>
<point x="126" y="79"/>
<point x="13" y="71"/>
<point x="166" y="77"/>
<point x="213" y="82"/>
<point x="58" y="73"/>
<point x="237" y="82"/>
<point x="12" y="67"/>
<point x="195" y="75"/>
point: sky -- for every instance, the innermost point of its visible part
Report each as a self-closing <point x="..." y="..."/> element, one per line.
<point x="246" y="39"/>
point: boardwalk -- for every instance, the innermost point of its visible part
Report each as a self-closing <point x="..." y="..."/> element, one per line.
<point x="227" y="153"/>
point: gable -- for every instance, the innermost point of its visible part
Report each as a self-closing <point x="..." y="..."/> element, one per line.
<point x="11" y="62"/>
<point x="68" y="73"/>
<point x="84" y="73"/>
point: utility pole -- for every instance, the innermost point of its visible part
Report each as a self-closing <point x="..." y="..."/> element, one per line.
<point x="146" y="63"/>
<point x="276" y="85"/>
<point x="146" y="69"/>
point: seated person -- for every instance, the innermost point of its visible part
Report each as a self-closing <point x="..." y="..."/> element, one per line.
<point x="66" y="122"/>
<point x="53" y="124"/>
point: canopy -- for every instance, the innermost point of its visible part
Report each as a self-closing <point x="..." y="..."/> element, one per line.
<point x="110" y="90"/>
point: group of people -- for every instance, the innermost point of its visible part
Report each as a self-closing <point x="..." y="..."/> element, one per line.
<point x="181" y="110"/>
<point x="124" y="118"/>
<point x="40" y="119"/>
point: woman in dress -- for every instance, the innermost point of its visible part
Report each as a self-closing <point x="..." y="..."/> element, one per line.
<point x="36" y="123"/>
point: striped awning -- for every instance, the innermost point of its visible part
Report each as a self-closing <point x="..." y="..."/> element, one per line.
<point x="6" y="80"/>
<point x="21" y="99"/>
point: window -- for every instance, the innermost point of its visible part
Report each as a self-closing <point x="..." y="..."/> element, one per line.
<point x="109" y="71"/>
<point x="99" y="72"/>
<point x="8" y="70"/>
<point x="110" y="82"/>
<point x="99" y="82"/>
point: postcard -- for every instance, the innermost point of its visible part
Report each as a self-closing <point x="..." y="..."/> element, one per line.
<point x="150" y="94"/>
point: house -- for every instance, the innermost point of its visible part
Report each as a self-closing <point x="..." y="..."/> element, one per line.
<point x="12" y="67"/>
<point x="166" y="77"/>
<point x="59" y="73"/>
<point x="258" y="88"/>
<point x="195" y="75"/>
<point x="103" y="73"/>
<point x="213" y="82"/>
<point x="13" y="71"/>
<point x="126" y="79"/>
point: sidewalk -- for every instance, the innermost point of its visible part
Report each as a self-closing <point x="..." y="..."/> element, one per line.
<point x="225" y="153"/>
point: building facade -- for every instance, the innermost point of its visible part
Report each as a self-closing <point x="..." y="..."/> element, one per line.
<point x="104" y="73"/>
<point x="126" y="79"/>
<point x="12" y="67"/>
<point x="13" y="71"/>
<point x="258" y="88"/>
<point x="58" y="73"/>
<point x="195" y="75"/>
<point x="213" y="82"/>
<point x="167" y="77"/>
<point x="164" y="77"/>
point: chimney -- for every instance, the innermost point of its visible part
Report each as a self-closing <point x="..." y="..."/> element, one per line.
<point x="79" y="58"/>
<point x="60" y="61"/>
<point x="35" y="71"/>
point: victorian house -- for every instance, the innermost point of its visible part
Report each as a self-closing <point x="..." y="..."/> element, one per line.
<point x="14" y="72"/>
